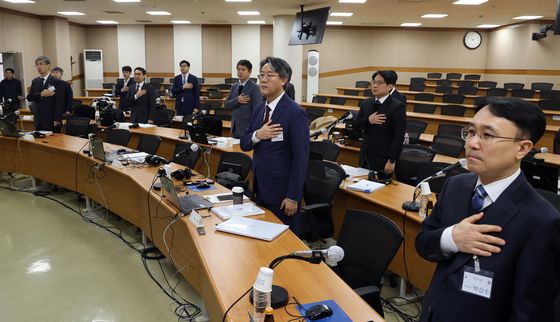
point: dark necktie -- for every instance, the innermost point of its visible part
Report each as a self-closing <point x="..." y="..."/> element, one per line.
<point x="377" y="102"/>
<point x="267" y="115"/>
<point x="477" y="201"/>
<point x="137" y="88"/>
<point x="240" y="90"/>
<point x="184" y="79"/>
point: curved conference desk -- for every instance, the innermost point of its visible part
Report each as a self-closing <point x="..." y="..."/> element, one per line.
<point x="219" y="266"/>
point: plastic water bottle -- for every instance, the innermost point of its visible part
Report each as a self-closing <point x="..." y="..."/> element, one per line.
<point x="406" y="138"/>
<point x="262" y="290"/>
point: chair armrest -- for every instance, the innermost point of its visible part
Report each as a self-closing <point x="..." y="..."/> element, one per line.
<point x="315" y="206"/>
<point x="371" y="289"/>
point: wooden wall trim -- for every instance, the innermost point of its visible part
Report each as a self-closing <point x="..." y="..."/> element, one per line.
<point x="216" y="75"/>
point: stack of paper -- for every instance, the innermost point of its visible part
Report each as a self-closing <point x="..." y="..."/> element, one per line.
<point x="241" y="210"/>
<point x="354" y="172"/>
<point x="365" y="186"/>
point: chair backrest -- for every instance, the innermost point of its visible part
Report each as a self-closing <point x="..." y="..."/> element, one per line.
<point x="501" y="92"/>
<point x="352" y="92"/>
<point x="319" y="99"/>
<point x="434" y="75"/>
<point x="453" y="75"/>
<point x="550" y="105"/>
<point x="453" y="110"/>
<point x="322" y="181"/>
<point x="223" y="114"/>
<point x="480" y="100"/>
<point x="328" y="150"/>
<point x="443" y="82"/>
<point x="108" y="85"/>
<point x="444" y="89"/>
<point x="556" y="143"/>
<point x="487" y="84"/>
<point x="190" y="159"/>
<point x="370" y="242"/>
<point x="231" y="80"/>
<point x="523" y="93"/>
<point x="551" y="197"/>
<point x="472" y="77"/>
<point x="416" y="87"/>
<point x="453" y="98"/>
<point x="450" y="129"/>
<point x="428" y="97"/>
<point x="85" y="111"/>
<point x="314" y="113"/>
<point x="78" y="126"/>
<point x="513" y="85"/>
<point x="368" y="93"/>
<point x="156" y="82"/>
<point x="426" y="169"/>
<point x="424" y="108"/>
<point x="467" y="90"/>
<point x="201" y="80"/>
<point x="550" y="94"/>
<point x="149" y="143"/>
<point x="407" y="163"/>
<point x="215" y="93"/>
<point x="417" y="80"/>
<point x="236" y="162"/>
<point x="448" y="145"/>
<point x="465" y="83"/>
<point x="362" y="84"/>
<point x="160" y="117"/>
<point x="541" y="86"/>
<point x="416" y="126"/>
<point x="223" y="87"/>
<point x="337" y="100"/>
<point x="119" y="137"/>
<point x="413" y="137"/>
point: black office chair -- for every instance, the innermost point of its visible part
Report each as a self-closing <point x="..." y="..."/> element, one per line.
<point x="448" y="145"/>
<point x="453" y="110"/>
<point x="497" y="92"/>
<point x="453" y="75"/>
<point x="416" y="87"/>
<point x="541" y="86"/>
<point x="223" y="87"/>
<point x="467" y="90"/>
<point x="413" y="137"/>
<point x="453" y="98"/>
<point x="522" y="93"/>
<point x="434" y="75"/>
<point x="446" y="89"/>
<point x="424" y="108"/>
<point x="119" y="137"/>
<point x="556" y="143"/>
<point x="551" y="197"/>
<point x="223" y="114"/>
<point x="320" y="99"/>
<point x="510" y="86"/>
<point x="443" y="82"/>
<point x="231" y="80"/>
<point x="480" y="100"/>
<point x="85" y="111"/>
<point x="553" y="105"/>
<point x="368" y="93"/>
<point x="321" y="183"/>
<point x="465" y="83"/>
<point x="363" y="266"/>
<point x="79" y="126"/>
<point x="328" y="150"/>
<point x="191" y="157"/>
<point x="472" y="77"/>
<point x="148" y="143"/>
<point x="416" y="126"/>
<point x="362" y="84"/>
<point x="428" y="97"/>
<point x="337" y="100"/>
<point x="550" y="94"/>
<point x="426" y="169"/>
<point x="352" y="92"/>
<point x="487" y="84"/>
<point x="212" y="125"/>
<point x="201" y="80"/>
<point x="314" y="113"/>
<point x="107" y="85"/>
<point x="411" y="155"/>
<point x="450" y="129"/>
<point x="215" y="93"/>
<point x="233" y="170"/>
<point x="156" y="82"/>
<point x="161" y="117"/>
<point x="417" y="80"/>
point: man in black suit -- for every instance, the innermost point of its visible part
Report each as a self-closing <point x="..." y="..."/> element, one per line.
<point x="122" y="87"/>
<point x="47" y="95"/>
<point x="57" y="73"/>
<point x="242" y="99"/>
<point x="141" y="98"/>
<point x="186" y="90"/>
<point x="10" y="89"/>
<point x="495" y="239"/>
<point x="383" y="121"/>
<point x="394" y="93"/>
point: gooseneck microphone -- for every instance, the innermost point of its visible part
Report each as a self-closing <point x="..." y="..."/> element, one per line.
<point x="333" y="253"/>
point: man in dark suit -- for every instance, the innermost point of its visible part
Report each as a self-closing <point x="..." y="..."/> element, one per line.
<point x="495" y="239"/>
<point x="57" y="73"/>
<point x="10" y="89"/>
<point x="122" y="87"/>
<point x="186" y="90"/>
<point x="279" y="135"/>
<point x="47" y="95"/>
<point x="141" y="98"/>
<point x="394" y="93"/>
<point x="242" y="99"/>
<point x="383" y="121"/>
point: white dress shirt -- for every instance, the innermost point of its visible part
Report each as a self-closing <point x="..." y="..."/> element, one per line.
<point x="272" y="106"/>
<point x="139" y="89"/>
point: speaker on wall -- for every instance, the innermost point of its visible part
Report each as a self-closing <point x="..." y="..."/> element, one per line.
<point x="312" y="74"/>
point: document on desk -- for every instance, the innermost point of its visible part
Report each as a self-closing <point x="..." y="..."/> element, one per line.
<point x="365" y="186"/>
<point x="354" y="172"/>
<point x="135" y="157"/>
<point x="126" y="125"/>
<point x="240" y="210"/>
<point x="252" y="228"/>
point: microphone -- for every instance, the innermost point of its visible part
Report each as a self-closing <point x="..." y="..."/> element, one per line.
<point x="333" y="253"/>
<point x="9" y="115"/>
<point x="346" y="117"/>
<point x="462" y="163"/>
<point x="194" y="147"/>
<point x="317" y="133"/>
<point x="108" y="128"/>
<point x="199" y="114"/>
<point x="536" y="151"/>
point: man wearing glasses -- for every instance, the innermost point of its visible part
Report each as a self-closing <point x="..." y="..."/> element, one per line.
<point x="279" y="135"/>
<point x="383" y="120"/>
<point x="495" y="239"/>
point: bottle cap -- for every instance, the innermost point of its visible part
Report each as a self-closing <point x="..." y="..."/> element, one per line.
<point x="425" y="188"/>
<point x="263" y="282"/>
<point x="268" y="311"/>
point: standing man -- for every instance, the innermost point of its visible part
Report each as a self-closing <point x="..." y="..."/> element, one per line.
<point x="47" y="94"/>
<point x="186" y="90"/>
<point x="141" y="98"/>
<point x="394" y="93"/>
<point x="495" y="239"/>
<point x="279" y="135"/>
<point x="383" y="120"/>
<point x="122" y="87"/>
<point x="243" y="98"/>
<point x="57" y="73"/>
<point x="10" y="89"/>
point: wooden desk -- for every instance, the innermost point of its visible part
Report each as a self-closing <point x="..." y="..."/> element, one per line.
<point x="169" y="102"/>
<point x="95" y="92"/>
<point x="219" y="266"/>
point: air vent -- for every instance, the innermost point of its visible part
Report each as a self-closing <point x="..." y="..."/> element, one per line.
<point x="143" y="21"/>
<point x="219" y="22"/>
<point x="93" y="55"/>
<point x="114" y="12"/>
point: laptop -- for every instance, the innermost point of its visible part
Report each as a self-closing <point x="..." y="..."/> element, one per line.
<point x="198" y="135"/>
<point x="97" y="149"/>
<point x="8" y="129"/>
<point x="184" y="203"/>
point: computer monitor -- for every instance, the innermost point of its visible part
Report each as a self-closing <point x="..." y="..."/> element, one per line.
<point x="541" y="175"/>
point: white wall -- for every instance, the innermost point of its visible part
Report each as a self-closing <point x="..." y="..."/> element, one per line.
<point x="187" y="44"/>
<point x="131" y="42"/>
<point x="245" y="44"/>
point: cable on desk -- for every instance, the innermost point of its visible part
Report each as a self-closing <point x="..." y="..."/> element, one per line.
<point x="239" y="299"/>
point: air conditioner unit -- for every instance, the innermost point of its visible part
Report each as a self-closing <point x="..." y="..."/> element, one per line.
<point x="312" y="74"/>
<point x="93" y="68"/>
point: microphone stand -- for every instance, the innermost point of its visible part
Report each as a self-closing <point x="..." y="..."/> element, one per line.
<point x="415" y="205"/>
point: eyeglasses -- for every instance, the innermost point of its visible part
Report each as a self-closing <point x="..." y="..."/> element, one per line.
<point x="469" y="133"/>
<point x="377" y="82"/>
<point x="268" y="76"/>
